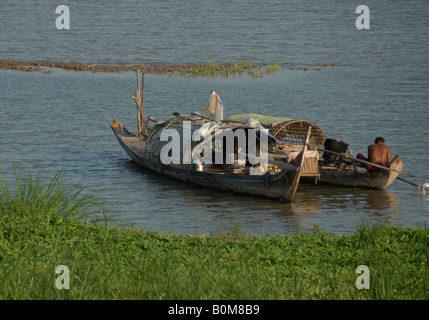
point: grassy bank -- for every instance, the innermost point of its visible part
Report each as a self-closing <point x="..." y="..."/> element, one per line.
<point x="39" y="231"/>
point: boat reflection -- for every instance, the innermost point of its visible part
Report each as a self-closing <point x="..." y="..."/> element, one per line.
<point x="309" y="199"/>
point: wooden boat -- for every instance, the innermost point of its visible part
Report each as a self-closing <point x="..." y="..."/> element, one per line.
<point x="279" y="181"/>
<point x="293" y="153"/>
<point x="276" y="178"/>
<point x="344" y="172"/>
<point x="350" y="176"/>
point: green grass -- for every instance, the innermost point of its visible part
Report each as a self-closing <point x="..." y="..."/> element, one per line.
<point x="213" y="69"/>
<point x="271" y="67"/>
<point x="46" y="225"/>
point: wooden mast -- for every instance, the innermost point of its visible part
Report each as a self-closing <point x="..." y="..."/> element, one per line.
<point x="139" y="98"/>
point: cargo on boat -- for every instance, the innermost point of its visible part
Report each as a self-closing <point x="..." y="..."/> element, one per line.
<point x="335" y="162"/>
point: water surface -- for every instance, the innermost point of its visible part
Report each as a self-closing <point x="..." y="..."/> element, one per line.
<point x="60" y="121"/>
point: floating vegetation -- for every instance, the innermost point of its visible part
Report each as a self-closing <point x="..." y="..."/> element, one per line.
<point x="213" y="69"/>
<point x="210" y="69"/>
<point x="271" y="67"/>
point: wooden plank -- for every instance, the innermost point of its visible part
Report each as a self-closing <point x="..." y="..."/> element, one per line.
<point x="288" y="197"/>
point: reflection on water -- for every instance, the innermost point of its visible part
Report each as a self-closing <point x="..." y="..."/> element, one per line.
<point x="216" y="209"/>
<point x="311" y="199"/>
<point x="383" y="202"/>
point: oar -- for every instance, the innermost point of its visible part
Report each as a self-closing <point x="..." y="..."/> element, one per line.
<point x="426" y="185"/>
<point x="370" y="163"/>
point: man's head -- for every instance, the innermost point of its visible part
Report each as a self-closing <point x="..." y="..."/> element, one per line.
<point x="379" y="140"/>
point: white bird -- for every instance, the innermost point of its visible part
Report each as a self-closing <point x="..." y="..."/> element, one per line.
<point x="426" y="185"/>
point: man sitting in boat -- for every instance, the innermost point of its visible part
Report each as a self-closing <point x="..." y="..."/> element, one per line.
<point x="378" y="153"/>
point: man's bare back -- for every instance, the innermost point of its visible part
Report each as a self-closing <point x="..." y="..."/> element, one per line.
<point x="379" y="153"/>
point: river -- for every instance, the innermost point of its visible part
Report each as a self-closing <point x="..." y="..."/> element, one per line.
<point x="377" y="85"/>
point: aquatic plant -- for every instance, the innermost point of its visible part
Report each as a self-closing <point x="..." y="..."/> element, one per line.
<point x="271" y="67"/>
<point x="210" y="69"/>
<point x="213" y="69"/>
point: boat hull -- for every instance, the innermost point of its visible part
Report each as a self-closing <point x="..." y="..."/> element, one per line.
<point x="380" y="179"/>
<point x="281" y="185"/>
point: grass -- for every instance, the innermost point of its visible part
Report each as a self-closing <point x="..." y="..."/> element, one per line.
<point x="213" y="69"/>
<point x="271" y="67"/>
<point x="45" y="225"/>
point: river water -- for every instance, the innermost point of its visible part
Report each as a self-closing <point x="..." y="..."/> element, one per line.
<point x="378" y="86"/>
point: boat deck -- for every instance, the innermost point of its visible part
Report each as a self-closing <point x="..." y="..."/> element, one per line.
<point x="135" y="143"/>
